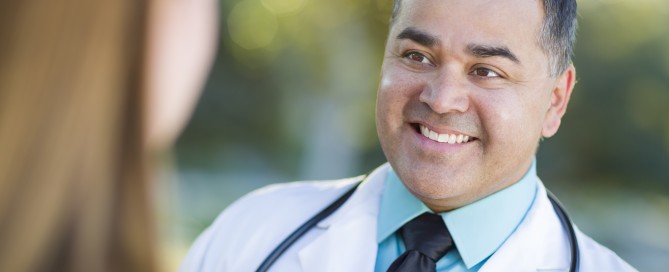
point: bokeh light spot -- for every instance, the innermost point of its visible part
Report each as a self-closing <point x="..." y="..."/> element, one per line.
<point x="251" y="26"/>
<point x="283" y="6"/>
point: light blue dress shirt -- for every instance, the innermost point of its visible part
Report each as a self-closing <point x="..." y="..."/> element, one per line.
<point x="478" y="229"/>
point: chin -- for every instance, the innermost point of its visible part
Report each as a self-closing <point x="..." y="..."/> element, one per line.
<point x="439" y="197"/>
<point x="434" y="186"/>
<point x="434" y="189"/>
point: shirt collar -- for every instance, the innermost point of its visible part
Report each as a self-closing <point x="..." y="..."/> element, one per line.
<point x="478" y="229"/>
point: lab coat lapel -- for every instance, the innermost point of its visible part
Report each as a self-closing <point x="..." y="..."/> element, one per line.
<point x="538" y="244"/>
<point x="349" y="239"/>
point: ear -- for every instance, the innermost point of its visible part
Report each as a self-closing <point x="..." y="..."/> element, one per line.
<point x="560" y="95"/>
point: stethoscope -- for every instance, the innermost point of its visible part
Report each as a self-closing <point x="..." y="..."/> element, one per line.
<point x="304" y="228"/>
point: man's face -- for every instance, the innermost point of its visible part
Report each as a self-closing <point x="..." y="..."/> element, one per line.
<point x="465" y="95"/>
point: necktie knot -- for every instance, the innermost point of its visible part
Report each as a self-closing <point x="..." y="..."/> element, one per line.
<point x="427" y="234"/>
<point x="427" y="240"/>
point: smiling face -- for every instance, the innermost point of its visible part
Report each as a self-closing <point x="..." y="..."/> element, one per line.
<point x="465" y="95"/>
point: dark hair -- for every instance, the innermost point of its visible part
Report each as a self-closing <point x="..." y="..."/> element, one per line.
<point x="558" y="32"/>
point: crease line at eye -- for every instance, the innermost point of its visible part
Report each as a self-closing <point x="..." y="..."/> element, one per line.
<point x="408" y="55"/>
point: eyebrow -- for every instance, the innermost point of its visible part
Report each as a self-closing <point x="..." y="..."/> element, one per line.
<point x="486" y="51"/>
<point x="477" y="50"/>
<point x="419" y="37"/>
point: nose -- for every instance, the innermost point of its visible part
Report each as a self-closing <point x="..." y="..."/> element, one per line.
<point x="446" y="93"/>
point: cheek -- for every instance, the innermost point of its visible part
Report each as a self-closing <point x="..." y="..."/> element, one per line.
<point x="398" y="85"/>
<point x="510" y="120"/>
<point x="394" y="92"/>
<point x="385" y="94"/>
<point x="388" y="109"/>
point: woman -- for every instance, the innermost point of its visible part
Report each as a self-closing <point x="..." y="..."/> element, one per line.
<point x="84" y="88"/>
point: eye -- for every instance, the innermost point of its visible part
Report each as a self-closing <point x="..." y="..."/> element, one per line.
<point x="418" y="57"/>
<point x="485" y="73"/>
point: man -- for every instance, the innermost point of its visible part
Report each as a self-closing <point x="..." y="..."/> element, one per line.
<point x="468" y="88"/>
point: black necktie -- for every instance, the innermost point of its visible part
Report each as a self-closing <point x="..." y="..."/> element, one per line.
<point x="427" y="240"/>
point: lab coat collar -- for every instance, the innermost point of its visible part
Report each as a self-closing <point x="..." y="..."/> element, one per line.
<point x="353" y="226"/>
<point x="538" y="244"/>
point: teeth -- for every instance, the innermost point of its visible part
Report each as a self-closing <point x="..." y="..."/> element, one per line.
<point x="443" y="138"/>
<point x="433" y="135"/>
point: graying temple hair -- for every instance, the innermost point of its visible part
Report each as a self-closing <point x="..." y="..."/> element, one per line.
<point x="558" y="32"/>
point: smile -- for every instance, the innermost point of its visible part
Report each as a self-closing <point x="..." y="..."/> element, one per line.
<point x="444" y="138"/>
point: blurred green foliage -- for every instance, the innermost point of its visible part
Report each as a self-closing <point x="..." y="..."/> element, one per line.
<point x="279" y="64"/>
<point x="617" y="124"/>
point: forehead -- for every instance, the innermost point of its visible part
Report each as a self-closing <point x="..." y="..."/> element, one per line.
<point x="515" y="24"/>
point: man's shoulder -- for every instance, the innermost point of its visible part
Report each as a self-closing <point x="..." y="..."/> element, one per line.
<point x="303" y="188"/>
<point x="291" y="194"/>
<point x="259" y="221"/>
<point x="283" y="201"/>
<point x="543" y="237"/>
<point x="596" y="257"/>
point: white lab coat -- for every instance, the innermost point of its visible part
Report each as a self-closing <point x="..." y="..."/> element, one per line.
<point x="246" y="232"/>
